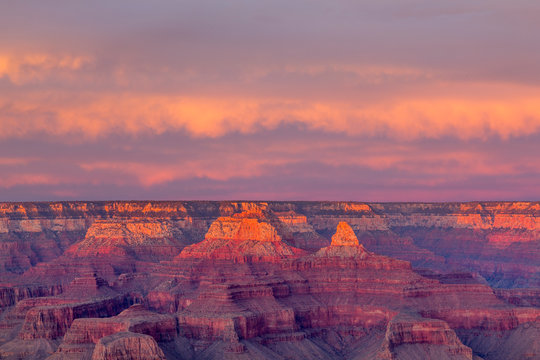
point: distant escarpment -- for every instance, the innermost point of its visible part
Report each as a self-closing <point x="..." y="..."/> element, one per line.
<point x="277" y="280"/>
<point x="498" y="240"/>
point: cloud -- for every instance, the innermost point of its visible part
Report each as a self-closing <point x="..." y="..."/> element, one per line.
<point x="409" y="118"/>
<point x="11" y="180"/>
<point x="270" y="99"/>
<point x="214" y="168"/>
<point x="285" y="163"/>
<point x="38" y="67"/>
<point x="15" y="160"/>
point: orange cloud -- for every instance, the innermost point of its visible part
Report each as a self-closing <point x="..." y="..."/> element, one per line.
<point x="408" y="118"/>
<point x="434" y="108"/>
<point x="21" y="69"/>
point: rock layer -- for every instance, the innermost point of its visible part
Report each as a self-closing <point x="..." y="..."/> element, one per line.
<point x="215" y="280"/>
<point x="127" y="346"/>
<point x="344" y="235"/>
<point x="245" y="237"/>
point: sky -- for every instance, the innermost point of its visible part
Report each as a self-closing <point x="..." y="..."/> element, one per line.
<point x="410" y="100"/>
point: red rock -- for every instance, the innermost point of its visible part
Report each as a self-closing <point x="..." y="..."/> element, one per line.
<point x="413" y="334"/>
<point x="245" y="292"/>
<point x="243" y="226"/>
<point x="486" y="318"/>
<point x="296" y="231"/>
<point x="496" y="235"/>
<point x="52" y="321"/>
<point x="84" y="333"/>
<point x="344" y="236"/>
<point x="11" y="295"/>
<point x="344" y="245"/>
<point x="520" y="297"/>
<point x="244" y="237"/>
<point x="127" y="346"/>
<point x="128" y="238"/>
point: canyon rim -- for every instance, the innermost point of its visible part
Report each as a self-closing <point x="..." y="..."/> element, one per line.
<point x="269" y="280"/>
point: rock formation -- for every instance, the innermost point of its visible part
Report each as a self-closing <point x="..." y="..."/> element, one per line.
<point x="85" y="333"/>
<point x="127" y="346"/>
<point x="246" y="236"/>
<point x="278" y="280"/>
<point x="416" y="337"/>
<point x="344" y="236"/>
<point x="128" y="238"/>
<point x="344" y="244"/>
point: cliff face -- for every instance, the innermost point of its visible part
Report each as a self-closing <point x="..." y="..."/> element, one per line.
<point x="247" y="236"/>
<point x="141" y="239"/>
<point x="407" y="334"/>
<point x="127" y="346"/>
<point x="499" y="240"/>
<point x="257" y="280"/>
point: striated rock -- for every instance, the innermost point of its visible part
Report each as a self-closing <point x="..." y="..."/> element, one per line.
<point x="11" y="295"/>
<point x="84" y="333"/>
<point x="243" y="226"/>
<point x="520" y="297"/>
<point x="240" y="251"/>
<point x="15" y="256"/>
<point x="135" y="319"/>
<point x="245" y="292"/>
<point x="52" y="321"/>
<point x="408" y="334"/>
<point x="344" y="236"/>
<point x="486" y="318"/>
<point x="499" y="240"/>
<point x="297" y="231"/>
<point x="38" y="323"/>
<point x="147" y="240"/>
<point x="127" y="346"/>
<point x="244" y="237"/>
<point x="87" y="285"/>
<point x="344" y="245"/>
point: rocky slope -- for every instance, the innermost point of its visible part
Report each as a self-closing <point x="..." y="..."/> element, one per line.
<point x="256" y="280"/>
<point x="244" y="237"/>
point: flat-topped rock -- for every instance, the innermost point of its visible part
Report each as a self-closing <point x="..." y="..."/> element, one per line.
<point x="127" y="346"/>
<point x="407" y="334"/>
<point x="126" y="238"/>
<point x="243" y="226"/>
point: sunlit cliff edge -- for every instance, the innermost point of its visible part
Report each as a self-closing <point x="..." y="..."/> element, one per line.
<point x="496" y="239"/>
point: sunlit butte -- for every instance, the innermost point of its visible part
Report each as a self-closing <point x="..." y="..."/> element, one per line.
<point x="369" y="101"/>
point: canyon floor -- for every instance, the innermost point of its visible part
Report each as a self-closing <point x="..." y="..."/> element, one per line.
<point x="269" y="280"/>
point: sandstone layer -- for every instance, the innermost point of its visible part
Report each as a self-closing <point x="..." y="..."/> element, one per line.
<point x="278" y="280"/>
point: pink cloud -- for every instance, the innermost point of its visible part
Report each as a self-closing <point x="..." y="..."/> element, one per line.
<point x="215" y="168"/>
<point x="37" y="67"/>
<point x="18" y="179"/>
<point x="406" y="79"/>
<point x="411" y="117"/>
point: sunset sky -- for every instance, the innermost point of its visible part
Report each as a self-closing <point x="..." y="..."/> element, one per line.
<point x="380" y="100"/>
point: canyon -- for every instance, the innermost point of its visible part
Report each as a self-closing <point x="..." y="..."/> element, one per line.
<point x="269" y="280"/>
